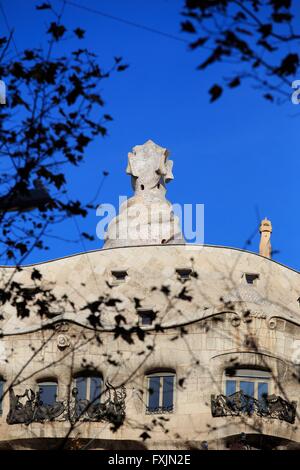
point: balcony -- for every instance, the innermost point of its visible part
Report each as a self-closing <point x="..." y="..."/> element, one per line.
<point x="29" y="408"/>
<point x="159" y="410"/>
<point x="239" y="404"/>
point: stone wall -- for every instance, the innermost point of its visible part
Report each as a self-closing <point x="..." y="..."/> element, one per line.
<point x="210" y="321"/>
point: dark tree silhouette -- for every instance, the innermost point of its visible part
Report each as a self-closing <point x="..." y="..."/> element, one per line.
<point x="258" y="39"/>
<point x="53" y="110"/>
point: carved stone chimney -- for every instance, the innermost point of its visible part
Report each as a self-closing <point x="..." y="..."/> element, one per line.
<point x="265" y="238"/>
<point x="147" y="217"/>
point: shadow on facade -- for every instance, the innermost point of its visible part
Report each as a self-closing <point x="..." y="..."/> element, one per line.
<point x="71" y="444"/>
<point x="259" y="442"/>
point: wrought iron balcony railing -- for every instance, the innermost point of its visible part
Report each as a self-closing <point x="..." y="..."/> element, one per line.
<point x="238" y="404"/>
<point x="29" y="408"/>
<point x="159" y="409"/>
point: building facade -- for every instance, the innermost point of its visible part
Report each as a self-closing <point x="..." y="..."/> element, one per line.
<point x="156" y="344"/>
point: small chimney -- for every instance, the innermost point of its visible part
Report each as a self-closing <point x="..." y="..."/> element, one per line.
<point x="265" y="238"/>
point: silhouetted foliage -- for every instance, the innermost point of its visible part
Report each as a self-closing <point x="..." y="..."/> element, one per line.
<point x="259" y="39"/>
<point x="53" y="111"/>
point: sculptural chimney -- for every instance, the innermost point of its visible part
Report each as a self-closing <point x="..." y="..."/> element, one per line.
<point x="265" y="238"/>
<point x="146" y="218"/>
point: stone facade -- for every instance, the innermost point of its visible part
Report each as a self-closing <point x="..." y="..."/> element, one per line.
<point x="210" y="321"/>
<point x="186" y="346"/>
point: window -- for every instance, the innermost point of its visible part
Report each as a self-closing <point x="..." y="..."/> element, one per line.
<point x="119" y="275"/>
<point x="1" y="393"/>
<point x="89" y="388"/>
<point x="254" y="383"/>
<point x="160" y="391"/>
<point x="251" y="278"/>
<point x="146" y="317"/>
<point x="184" y="273"/>
<point x="48" y="392"/>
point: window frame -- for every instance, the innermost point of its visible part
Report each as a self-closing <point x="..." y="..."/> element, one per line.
<point x="116" y="278"/>
<point x="161" y="374"/>
<point x="142" y="312"/>
<point x="253" y="379"/>
<point x="184" y="274"/>
<point x="254" y="277"/>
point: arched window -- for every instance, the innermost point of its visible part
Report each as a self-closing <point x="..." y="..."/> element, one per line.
<point x="254" y="383"/>
<point x="1" y="393"/>
<point x="160" y="392"/>
<point x="89" y="387"/>
<point x="48" y="391"/>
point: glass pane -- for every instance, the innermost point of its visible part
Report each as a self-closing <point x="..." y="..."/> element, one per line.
<point x="95" y="389"/>
<point x="146" y="319"/>
<point x="262" y="390"/>
<point x="247" y="402"/>
<point x="168" y="391"/>
<point x="81" y="385"/>
<point x="247" y="388"/>
<point x="230" y="387"/>
<point x="262" y="396"/>
<point x="153" y="401"/>
<point x="48" y="392"/>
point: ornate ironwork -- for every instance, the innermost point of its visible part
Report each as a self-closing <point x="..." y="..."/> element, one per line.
<point x="237" y="404"/>
<point x="159" y="409"/>
<point x="33" y="410"/>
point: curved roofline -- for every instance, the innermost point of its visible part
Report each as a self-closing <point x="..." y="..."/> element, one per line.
<point x="145" y="246"/>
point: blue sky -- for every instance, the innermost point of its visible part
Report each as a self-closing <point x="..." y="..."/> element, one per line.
<point x="236" y="156"/>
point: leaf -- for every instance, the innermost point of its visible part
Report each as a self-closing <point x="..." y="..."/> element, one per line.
<point x="29" y="54"/>
<point x="240" y="16"/>
<point x="188" y="27"/>
<point x="145" y="436"/>
<point x="36" y="275"/>
<point x="235" y="82"/>
<point x="183" y="295"/>
<point x="269" y="97"/>
<point x="215" y="92"/>
<point x="120" y="318"/>
<point x="79" y="33"/>
<point x="93" y="306"/>
<point x="266" y="45"/>
<point x="82" y="141"/>
<point x="199" y="42"/>
<point x="288" y="65"/>
<point x="57" y="30"/>
<point x="3" y="40"/>
<point x="140" y="333"/>
<point x="22" y="248"/>
<point x="265" y="29"/>
<point x="120" y="68"/>
<point x="112" y="302"/>
<point x="282" y="17"/>
<point x="137" y="302"/>
<point x="22" y="310"/>
<point x="165" y="290"/>
<point x="43" y="6"/>
<point x="181" y="382"/>
<point x="278" y="4"/>
<point x="214" y="57"/>
<point x="94" y="320"/>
